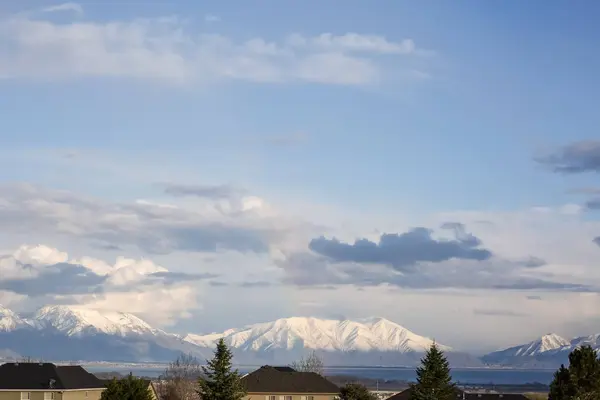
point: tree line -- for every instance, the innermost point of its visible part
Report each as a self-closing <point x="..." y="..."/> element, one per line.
<point x="187" y="379"/>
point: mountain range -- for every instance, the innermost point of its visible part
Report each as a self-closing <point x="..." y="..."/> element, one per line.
<point x="548" y="351"/>
<point x="63" y="333"/>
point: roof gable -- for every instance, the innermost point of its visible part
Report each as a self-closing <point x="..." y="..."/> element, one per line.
<point x="405" y="395"/>
<point x="40" y="376"/>
<point x="269" y="379"/>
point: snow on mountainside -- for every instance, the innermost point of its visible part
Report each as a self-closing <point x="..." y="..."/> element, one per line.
<point x="77" y="333"/>
<point x="74" y="321"/>
<point x="10" y="321"/>
<point x="549" y="350"/>
<point x="373" y="334"/>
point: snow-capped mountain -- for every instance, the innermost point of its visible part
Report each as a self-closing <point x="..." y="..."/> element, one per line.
<point x="77" y="321"/>
<point x="10" y="321"/>
<point x="78" y="333"/>
<point x="550" y="350"/>
<point x="375" y="334"/>
<point x="67" y="333"/>
<point x="372" y="341"/>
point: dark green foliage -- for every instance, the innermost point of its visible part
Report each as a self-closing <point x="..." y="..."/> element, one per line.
<point x="581" y="380"/>
<point x="356" y="391"/>
<point x="219" y="381"/>
<point x="129" y="388"/>
<point x="561" y="387"/>
<point x="434" y="381"/>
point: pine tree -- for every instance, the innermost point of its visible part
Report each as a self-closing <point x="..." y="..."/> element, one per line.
<point x="355" y="391"/>
<point x="434" y="381"/>
<point x="219" y="381"/>
<point x="581" y="380"/>
<point x="129" y="388"/>
<point x="561" y="387"/>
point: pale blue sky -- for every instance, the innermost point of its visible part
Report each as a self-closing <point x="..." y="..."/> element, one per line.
<point x="453" y="124"/>
<point x="505" y="81"/>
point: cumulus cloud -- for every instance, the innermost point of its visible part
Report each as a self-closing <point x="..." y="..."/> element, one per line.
<point x="578" y="157"/>
<point x="165" y="50"/>
<point x="50" y="275"/>
<point x="417" y="260"/>
<point x="244" y="226"/>
<point x="309" y="269"/>
<point x="403" y="251"/>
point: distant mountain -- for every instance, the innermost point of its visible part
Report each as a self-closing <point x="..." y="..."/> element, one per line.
<point x="77" y="333"/>
<point x="74" y="333"/>
<point x="10" y="321"/>
<point x="548" y="351"/>
<point x="373" y="341"/>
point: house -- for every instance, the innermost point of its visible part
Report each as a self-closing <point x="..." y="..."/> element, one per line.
<point x="285" y="383"/>
<point x="405" y="395"/>
<point x="46" y="381"/>
<point x="151" y="387"/>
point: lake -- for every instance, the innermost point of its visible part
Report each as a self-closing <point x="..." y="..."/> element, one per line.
<point x="464" y="376"/>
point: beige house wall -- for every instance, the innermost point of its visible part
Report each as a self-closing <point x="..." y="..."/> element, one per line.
<point x="81" y="395"/>
<point x="58" y="395"/>
<point x="281" y="396"/>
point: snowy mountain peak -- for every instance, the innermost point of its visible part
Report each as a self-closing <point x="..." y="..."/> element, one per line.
<point x="540" y="347"/>
<point x="10" y="321"/>
<point x="548" y="342"/>
<point x="75" y="321"/>
<point x="297" y="333"/>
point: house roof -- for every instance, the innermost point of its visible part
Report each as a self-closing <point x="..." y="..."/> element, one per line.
<point x="405" y="395"/>
<point x="494" y="396"/>
<point x="40" y="376"/>
<point x="269" y="379"/>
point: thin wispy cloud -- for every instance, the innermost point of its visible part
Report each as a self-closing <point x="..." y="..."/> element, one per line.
<point x="499" y="313"/>
<point x="211" y="18"/>
<point x="164" y="50"/>
<point x="578" y="157"/>
<point x="71" y="7"/>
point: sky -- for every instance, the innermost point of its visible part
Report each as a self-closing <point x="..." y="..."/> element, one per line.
<point x="208" y="165"/>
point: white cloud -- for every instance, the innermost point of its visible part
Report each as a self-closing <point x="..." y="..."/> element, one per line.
<point x="165" y="49"/>
<point x="557" y="235"/>
<point x="74" y="7"/>
<point x="127" y="285"/>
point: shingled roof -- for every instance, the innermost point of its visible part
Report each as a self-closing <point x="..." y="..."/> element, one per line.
<point x="40" y="376"/>
<point x="405" y="395"/>
<point x="494" y="396"/>
<point x="269" y="379"/>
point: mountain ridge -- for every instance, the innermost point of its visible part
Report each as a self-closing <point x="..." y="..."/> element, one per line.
<point x="547" y="351"/>
<point x="75" y="332"/>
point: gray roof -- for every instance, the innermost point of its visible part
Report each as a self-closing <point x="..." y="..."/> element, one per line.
<point x="40" y="376"/>
<point x="269" y="379"/>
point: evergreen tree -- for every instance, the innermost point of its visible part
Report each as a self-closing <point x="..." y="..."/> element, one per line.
<point x="356" y="391"/>
<point x="561" y="387"/>
<point x="219" y="381"/>
<point x="433" y="378"/>
<point x="581" y="380"/>
<point x="129" y="388"/>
